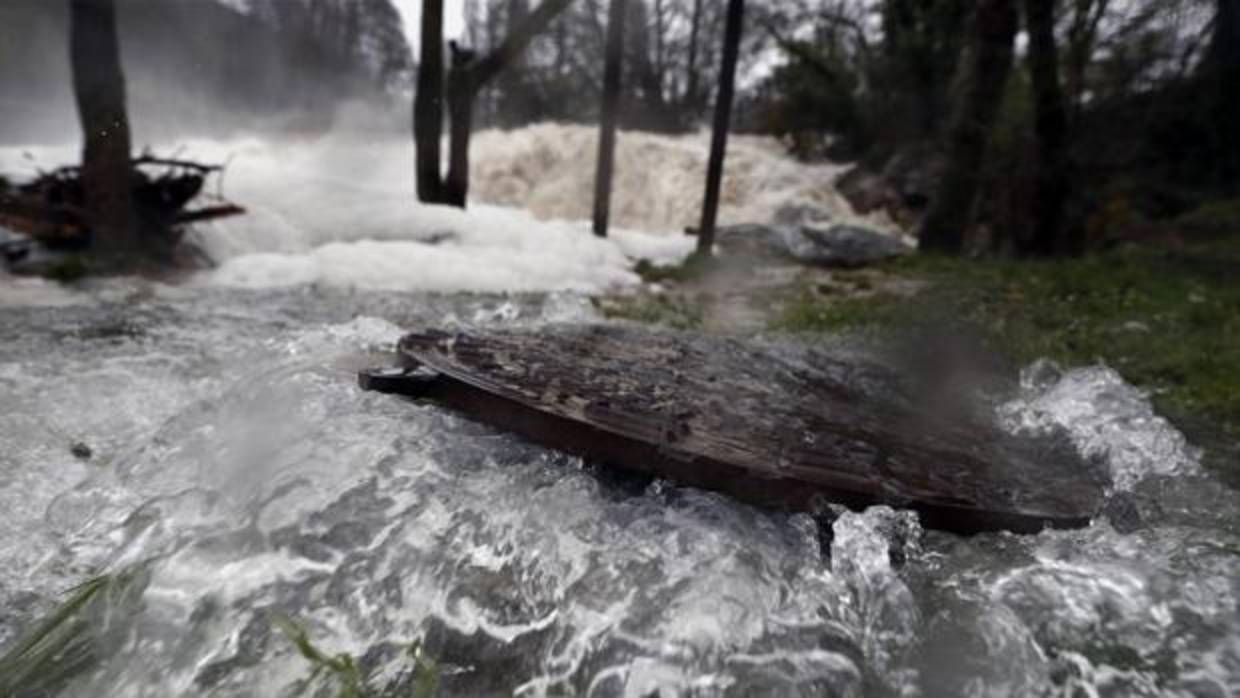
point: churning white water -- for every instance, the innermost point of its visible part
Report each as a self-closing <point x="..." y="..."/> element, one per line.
<point x="339" y="211"/>
<point x="236" y="465"/>
<point x="209" y="441"/>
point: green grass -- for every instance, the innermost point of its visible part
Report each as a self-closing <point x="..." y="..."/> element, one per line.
<point x="1212" y="219"/>
<point x="72" y="639"/>
<point x="693" y="267"/>
<point x="1167" y="320"/>
<point x="68" y="642"/>
<point x="341" y="676"/>
<point x="656" y="309"/>
<point x="69" y="269"/>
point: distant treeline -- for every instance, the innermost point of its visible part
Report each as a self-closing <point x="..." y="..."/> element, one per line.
<point x="205" y="67"/>
<point x="671" y="62"/>
<point x="1034" y="126"/>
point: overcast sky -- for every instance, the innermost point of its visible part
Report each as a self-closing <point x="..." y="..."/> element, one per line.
<point x="454" y="18"/>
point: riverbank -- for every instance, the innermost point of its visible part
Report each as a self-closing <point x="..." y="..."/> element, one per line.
<point x="1167" y="318"/>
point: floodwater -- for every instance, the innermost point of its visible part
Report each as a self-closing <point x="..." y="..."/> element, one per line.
<point x="212" y="444"/>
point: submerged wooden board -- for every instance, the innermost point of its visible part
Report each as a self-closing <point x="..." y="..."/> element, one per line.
<point x="779" y="428"/>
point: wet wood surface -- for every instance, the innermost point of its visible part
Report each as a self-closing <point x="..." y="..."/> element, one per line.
<point x="793" y="429"/>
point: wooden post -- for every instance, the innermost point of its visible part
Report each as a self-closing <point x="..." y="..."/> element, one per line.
<point x="723" y="119"/>
<point x="609" y="115"/>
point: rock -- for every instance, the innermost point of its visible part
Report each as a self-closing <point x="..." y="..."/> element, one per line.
<point x="1122" y="511"/>
<point x="901" y="188"/>
<point x="841" y="245"/>
<point x="13" y="245"/>
<point x="848" y="246"/>
<point x="866" y="191"/>
<point x="81" y="451"/>
<point x="802" y="214"/>
<point x="914" y="173"/>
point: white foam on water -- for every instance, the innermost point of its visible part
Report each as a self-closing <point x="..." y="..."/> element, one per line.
<point x="1105" y="417"/>
<point x="659" y="180"/>
<point x="20" y="291"/>
<point x="340" y="211"/>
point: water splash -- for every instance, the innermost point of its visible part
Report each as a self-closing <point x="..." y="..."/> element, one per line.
<point x="1106" y="418"/>
<point x="237" y="461"/>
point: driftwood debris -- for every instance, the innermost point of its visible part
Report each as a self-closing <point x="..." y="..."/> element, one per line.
<point x="49" y="209"/>
<point x="793" y="432"/>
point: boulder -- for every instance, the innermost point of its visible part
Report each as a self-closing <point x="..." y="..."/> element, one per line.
<point x="839" y="245"/>
<point x="802" y="214"/>
<point x="846" y="245"/>
<point x="13" y="245"/>
<point x="901" y="188"/>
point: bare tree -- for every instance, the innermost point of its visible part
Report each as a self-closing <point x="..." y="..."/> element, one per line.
<point x="983" y="74"/>
<point x="691" y="74"/>
<point x="469" y="76"/>
<point x="99" y="87"/>
<point x="723" y="119"/>
<point x="610" y="113"/>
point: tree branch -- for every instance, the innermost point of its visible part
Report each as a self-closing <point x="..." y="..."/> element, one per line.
<point x="799" y="51"/>
<point x="534" y="24"/>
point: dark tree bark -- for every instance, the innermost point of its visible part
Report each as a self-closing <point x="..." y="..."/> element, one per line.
<point x="660" y="41"/>
<point x="642" y="68"/>
<point x="461" y="94"/>
<point x="921" y="47"/>
<point x="99" y="87"/>
<point x="609" y="115"/>
<point x="1224" y="63"/>
<point x="983" y="74"/>
<point x="470" y="76"/>
<point x="517" y="106"/>
<point x="1050" y="187"/>
<point x="691" y="80"/>
<point x="723" y="119"/>
<point x="428" y="105"/>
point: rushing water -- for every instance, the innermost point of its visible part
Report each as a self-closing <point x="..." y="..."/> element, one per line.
<point x="236" y="464"/>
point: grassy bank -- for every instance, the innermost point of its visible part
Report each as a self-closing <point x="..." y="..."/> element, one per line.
<point x="1167" y="319"/>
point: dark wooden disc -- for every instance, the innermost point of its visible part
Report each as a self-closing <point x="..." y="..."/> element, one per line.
<point x="791" y="429"/>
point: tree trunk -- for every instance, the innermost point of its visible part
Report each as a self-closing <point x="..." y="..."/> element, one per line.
<point x="1225" y="64"/>
<point x="644" y="75"/>
<point x="608" y="117"/>
<point x="660" y="42"/>
<point x="1050" y="187"/>
<point x="984" y="69"/>
<point x="691" y="79"/>
<point x="469" y="76"/>
<point x="428" y="105"/>
<point x="461" y="94"/>
<point x="723" y="120"/>
<point x="516" y="102"/>
<point x="99" y="87"/>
